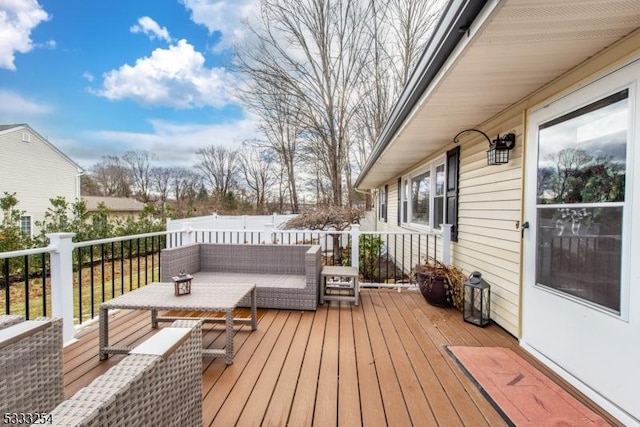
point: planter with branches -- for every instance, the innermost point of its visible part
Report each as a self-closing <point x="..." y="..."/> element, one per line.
<point x="441" y="284"/>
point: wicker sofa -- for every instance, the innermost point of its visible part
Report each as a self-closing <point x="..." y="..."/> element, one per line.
<point x="286" y="276"/>
<point x="7" y="320"/>
<point x="30" y="365"/>
<point x="159" y="383"/>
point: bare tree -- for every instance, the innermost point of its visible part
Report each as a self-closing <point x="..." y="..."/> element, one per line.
<point x="315" y="50"/>
<point x="112" y="176"/>
<point x="280" y="125"/>
<point x="400" y="30"/>
<point x="138" y="162"/>
<point x="89" y="186"/>
<point x="218" y="166"/>
<point x="184" y="185"/>
<point x="409" y="24"/>
<point x="160" y="178"/>
<point x="327" y="218"/>
<point x="257" y="169"/>
<point x="568" y="162"/>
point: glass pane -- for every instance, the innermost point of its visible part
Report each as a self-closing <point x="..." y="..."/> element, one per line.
<point x="579" y="252"/>
<point x="582" y="155"/>
<point x="405" y="198"/>
<point x="440" y="180"/>
<point x="438" y="211"/>
<point x="420" y="193"/>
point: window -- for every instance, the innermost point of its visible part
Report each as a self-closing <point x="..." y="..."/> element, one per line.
<point x="25" y="225"/>
<point x="420" y="198"/>
<point x="581" y="203"/>
<point x="383" y="201"/>
<point x="423" y="196"/>
<point x="405" y="198"/>
<point x="438" y="197"/>
<point x="451" y="205"/>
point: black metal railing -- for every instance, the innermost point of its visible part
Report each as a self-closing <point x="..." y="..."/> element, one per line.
<point x="105" y="269"/>
<point x="132" y="262"/>
<point x="390" y="258"/>
<point x="25" y="279"/>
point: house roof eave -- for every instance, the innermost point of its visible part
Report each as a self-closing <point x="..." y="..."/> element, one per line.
<point x="452" y="27"/>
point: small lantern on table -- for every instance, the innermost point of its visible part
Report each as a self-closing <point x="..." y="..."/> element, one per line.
<point x="182" y="283"/>
<point x="476" y="300"/>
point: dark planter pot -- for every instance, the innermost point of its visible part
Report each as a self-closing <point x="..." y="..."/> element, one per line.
<point x="434" y="289"/>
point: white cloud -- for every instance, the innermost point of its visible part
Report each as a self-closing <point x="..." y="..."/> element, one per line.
<point x="225" y="16"/>
<point x="174" y="77"/>
<point x="17" y="19"/>
<point x="14" y="108"/>
<point x="88" y="76"/>
<point x="49" y="44"/>
<point x="151" y="28"/>
<point x="173" y="144"/>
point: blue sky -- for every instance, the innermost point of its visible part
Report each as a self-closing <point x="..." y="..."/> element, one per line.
<point x="103" y="77"/>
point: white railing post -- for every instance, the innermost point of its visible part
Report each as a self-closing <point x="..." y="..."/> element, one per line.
<point x="169" y="240"/>
<point x="269" y="230"/>
<point x="187" y="234"/>
<point x="355" y="245"/>
<point x="446" y="243"/>
<point x="62" y="281"/>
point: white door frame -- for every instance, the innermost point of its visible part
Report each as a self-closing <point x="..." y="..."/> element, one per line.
<point x="596" y="350"/>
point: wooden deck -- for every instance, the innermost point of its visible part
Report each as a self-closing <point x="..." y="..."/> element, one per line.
<point x="382" y="363"/>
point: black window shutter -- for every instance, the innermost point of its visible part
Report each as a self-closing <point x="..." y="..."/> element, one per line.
<point x="386" y="202"/>
<point x="399" y="205"/>
<point x="451" y="215"/>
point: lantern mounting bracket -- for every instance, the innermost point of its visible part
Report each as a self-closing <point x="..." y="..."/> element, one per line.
<point x="498" y="152"/>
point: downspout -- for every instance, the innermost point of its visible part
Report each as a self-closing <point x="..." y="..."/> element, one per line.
<point x="78" y="184"/>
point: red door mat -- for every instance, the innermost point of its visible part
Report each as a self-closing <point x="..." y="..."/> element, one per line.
<point x="523" y="395"/>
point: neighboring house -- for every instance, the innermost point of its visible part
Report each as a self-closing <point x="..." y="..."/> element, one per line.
<point x="122" y="207"/>
<point x="556" y="230"/>
<point x="36" y="171"/>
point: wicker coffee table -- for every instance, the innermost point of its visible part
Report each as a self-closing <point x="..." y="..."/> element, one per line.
<point x="206" y="297"/>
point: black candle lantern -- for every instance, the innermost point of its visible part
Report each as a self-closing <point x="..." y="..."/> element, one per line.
<point x="476" y="300"/>
<point x="182" y="283"/>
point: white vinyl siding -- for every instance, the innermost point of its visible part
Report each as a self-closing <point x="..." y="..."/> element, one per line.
<point x="489" y="209"/>
<point x="36" y="172"/>
<point x="489" y="215"/>
<point x="491" y="198"/>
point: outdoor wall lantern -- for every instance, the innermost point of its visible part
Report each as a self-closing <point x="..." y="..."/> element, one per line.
<point x="498" y="152"/>
<point x="182" y="283"/>
<point x="476" y="300"/>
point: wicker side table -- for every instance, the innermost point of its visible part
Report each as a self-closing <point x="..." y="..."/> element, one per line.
<point x="339" y="284"/>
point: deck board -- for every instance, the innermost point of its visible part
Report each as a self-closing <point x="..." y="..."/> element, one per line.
<point x="349" y="411"/>
<point x="394" y="405"/>
<point x="381" y="363"/>
<point x="371" y="404"/>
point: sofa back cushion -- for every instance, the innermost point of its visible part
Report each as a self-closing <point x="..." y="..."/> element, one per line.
<point x="182" y="258"/>
<point x="258" y="259"/>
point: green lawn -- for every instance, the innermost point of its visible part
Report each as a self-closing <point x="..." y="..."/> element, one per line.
<point x="127" y="281"/>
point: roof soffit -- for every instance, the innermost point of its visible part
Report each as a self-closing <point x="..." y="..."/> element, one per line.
<point x="523" y="45"/>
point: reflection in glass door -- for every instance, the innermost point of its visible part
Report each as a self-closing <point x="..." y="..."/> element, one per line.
<point x="581" y="201"/>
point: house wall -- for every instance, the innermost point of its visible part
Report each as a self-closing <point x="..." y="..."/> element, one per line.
<point x="489" y="209"/>
<point x="489" y="215"/>
<point x="36" y="172"/>
<point x="491" y="197"/>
